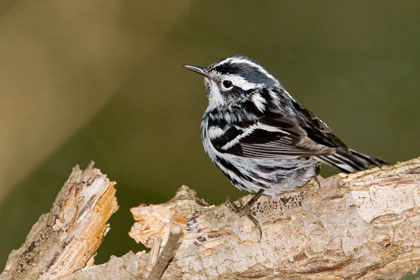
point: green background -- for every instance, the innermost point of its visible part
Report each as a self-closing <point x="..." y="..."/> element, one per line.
<point x="103" y="80"/>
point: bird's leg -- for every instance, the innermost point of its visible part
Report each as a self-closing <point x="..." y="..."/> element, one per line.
<point x="246" y="209"/>
<point x="317" y="180"/>
<point x="317" y="172"/>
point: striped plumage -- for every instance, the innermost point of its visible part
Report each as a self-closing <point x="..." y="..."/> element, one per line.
<point x="260" y="136"/>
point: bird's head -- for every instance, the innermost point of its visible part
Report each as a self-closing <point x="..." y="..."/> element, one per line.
<point x="233" y="78"/>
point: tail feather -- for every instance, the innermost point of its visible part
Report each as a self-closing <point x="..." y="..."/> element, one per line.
<point x="351" y="161"/>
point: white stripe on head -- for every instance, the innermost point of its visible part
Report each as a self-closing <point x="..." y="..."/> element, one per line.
<point x="245" y="60"/>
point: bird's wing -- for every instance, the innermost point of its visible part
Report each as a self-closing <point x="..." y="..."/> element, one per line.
<point x="275" y="135"/>
<point x="316" y="129"/>
<point x="271" y="136"/>
<point x="345" y="159"/>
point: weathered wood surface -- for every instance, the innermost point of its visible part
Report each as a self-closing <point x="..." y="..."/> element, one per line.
<point x="364" y="225"/>
<point x="66" y="239"/>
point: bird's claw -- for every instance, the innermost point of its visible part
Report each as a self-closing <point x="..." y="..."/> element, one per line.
<point x="244" y="210"/>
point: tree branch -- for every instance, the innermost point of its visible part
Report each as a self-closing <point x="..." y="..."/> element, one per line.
<point x="66" y="239"/>
<point x="364" y="225"/>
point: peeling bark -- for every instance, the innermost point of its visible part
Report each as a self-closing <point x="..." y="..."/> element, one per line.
<point x="66" y="239"/>
<point x="364" y="225"/>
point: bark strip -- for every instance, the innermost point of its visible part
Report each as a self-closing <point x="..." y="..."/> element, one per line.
<point x="364" y="225"/>
<point x="66" y="239"/>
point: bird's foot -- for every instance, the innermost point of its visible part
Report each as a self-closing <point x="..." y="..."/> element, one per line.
<point x="246" y="209"/>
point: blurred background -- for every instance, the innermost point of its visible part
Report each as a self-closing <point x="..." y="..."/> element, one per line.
<point x="103" y="80"/>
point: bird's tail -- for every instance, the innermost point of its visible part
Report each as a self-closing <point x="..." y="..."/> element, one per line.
<point x="348" y="160"/>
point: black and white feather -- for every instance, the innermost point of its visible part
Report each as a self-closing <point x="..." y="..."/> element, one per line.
<point x="260" y="136"/>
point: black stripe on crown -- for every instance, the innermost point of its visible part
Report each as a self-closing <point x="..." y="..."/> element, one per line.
<point x="248" y="72"/>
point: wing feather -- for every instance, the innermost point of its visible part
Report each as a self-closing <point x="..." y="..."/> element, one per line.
<point x="272" y="136"/>
<point x="274" y="133"/>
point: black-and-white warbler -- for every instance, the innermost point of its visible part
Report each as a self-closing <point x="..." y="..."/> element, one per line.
<point x="261" y="138"/>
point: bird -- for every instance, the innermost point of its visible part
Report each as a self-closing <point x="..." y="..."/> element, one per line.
<point x="261" y="137"/>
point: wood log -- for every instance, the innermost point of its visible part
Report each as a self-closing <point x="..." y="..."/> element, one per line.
<point x="364" y="225"/>
<point x="67" y="238"/>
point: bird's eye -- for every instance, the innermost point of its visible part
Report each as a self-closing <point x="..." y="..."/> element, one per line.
<point x="227" y="84"/>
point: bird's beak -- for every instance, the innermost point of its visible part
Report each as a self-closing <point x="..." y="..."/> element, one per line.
<point x="197" y="69"/>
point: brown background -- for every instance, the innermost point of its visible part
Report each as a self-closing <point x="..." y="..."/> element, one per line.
<point x="102" y="80"/>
